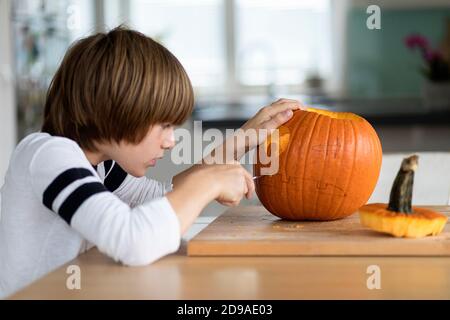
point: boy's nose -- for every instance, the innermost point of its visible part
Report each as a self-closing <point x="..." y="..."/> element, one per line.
<point x="169" y="142"/>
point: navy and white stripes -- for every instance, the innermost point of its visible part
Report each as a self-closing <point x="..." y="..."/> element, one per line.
<point x="113" y="176"/>
<point x="61" y="182"/>
<point x="107" y="166"/>
<point x="67" y="192"/>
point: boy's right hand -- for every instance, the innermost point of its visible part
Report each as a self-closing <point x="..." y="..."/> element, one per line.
<point x="233" y="182"/>
<point x="225" y="183"/>
<point x="200" y="184"/>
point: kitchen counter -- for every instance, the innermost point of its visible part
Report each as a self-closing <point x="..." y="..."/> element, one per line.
<point x="181" y="277"/>
<point x="233" y="113"/>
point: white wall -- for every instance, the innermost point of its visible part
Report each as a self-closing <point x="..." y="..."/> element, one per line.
<point x="7" y="96"/>
<point x="431" y="180"/>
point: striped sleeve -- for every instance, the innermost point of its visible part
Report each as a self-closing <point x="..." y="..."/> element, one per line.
<point x="65" y="183"/>
<point x="69" y="190"/>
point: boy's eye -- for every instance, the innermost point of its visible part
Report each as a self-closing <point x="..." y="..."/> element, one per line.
<point x="167" y="125"/>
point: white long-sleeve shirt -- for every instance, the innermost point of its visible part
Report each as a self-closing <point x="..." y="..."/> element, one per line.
<point x="56" y="205"/>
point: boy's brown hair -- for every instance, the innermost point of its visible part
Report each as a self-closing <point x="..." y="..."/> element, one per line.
<point x="113" y="86"/>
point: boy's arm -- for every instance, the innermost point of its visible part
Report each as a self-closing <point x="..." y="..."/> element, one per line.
<point x="131" y="190"/>
<point x="254" y="131"/>
<point x="68" y="186"/>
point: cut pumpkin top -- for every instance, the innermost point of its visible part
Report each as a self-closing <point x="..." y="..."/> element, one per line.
<point x="336" y="115"/>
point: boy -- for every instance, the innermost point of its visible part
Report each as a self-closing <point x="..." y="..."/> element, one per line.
<point x="110" y="113"/>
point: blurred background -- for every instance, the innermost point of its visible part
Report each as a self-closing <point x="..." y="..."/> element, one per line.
<point x="244" y="54"/>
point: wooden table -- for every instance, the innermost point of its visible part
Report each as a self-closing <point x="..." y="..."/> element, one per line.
<point x="180" y="277"/>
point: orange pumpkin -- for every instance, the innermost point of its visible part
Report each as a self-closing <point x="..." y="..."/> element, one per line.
<point x="329" y="163"/>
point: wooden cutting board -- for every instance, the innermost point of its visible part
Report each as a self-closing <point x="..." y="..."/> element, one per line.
<point x="253" y="231"/>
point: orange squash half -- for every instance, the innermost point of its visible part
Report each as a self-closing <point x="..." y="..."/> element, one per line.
<point x="398" y="217"/>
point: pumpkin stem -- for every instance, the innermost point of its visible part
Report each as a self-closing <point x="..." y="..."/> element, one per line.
<point x="402" y="188"/>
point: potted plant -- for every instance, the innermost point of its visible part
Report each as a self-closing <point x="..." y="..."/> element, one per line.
<point x="436" y="69"/>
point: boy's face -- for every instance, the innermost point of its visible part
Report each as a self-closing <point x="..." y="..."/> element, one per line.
<point x="136" y="158"/>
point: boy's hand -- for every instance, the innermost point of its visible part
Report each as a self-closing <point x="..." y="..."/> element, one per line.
<point x="234" y="182"/>
<point x="273" y="116"/>
<point x="228" y="183"/>
<point x="268" y="118"/>
<point x="199" y="185"/>
<point x="250" y="134"/>
<point x="196" y="187"/>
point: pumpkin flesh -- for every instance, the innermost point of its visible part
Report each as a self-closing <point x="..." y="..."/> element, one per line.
<point x="421" y="222"/>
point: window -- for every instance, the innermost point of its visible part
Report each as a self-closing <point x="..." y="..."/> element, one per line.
<point x="282" y="41"/>
<point x="191" y="29"/>
<point x="272" y="42"/>
<point x="42" y="32"/>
